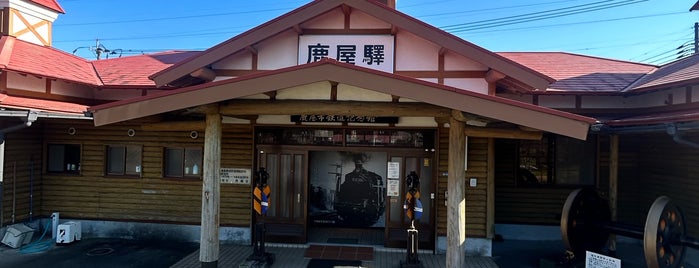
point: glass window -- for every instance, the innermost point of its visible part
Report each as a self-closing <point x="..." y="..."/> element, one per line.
<point x="63" y="158"/>
<point x="183" y="162"/>
<point x="124" y="160"/>
<point x="556" y="160"/>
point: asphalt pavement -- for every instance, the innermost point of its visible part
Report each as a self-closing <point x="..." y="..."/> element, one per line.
<point x="97" y="252"/>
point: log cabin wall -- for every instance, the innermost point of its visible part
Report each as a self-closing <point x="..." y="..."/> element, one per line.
<point x="21" y="183"/>
<point x="663" y="167"/>
<point x="150" y="197"/>
<point x="523" y="204"/>
<point x="475" y="196"/>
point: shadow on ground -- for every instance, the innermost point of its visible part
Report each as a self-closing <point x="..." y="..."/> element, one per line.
<point x="535" y="254"/>
<point x="100" y="252"/>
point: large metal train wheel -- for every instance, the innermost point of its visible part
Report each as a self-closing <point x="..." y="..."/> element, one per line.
<point x="663" y="233"/>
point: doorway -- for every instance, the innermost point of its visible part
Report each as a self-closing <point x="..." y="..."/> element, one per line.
<point x="285" y="220"/>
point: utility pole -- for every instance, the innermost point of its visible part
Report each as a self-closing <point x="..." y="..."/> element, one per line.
<point x="696" y="37"/>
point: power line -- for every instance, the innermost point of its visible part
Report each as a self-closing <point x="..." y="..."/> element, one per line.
<point x="536" y="16"/>
<point x="169" y="18"/>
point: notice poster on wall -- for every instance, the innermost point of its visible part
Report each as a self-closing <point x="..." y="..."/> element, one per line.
<point x="393" y="187"/>
<point x="347" y="188"/>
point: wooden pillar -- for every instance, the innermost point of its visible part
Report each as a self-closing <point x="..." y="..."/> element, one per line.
<point x="456" y="202"/>
<point x="613" y="182"/>
<point x="211" y="189"/>
<point x="490" y="197"/>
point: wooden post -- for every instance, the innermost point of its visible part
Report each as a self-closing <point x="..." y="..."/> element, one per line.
<point x="490" y="197"/>
<point x="211" y="189"/>
<point x="456" y="202"/>
<point x="613" y="183"/>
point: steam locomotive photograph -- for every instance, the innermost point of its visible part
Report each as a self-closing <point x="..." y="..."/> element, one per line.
<point x="347" y="189"/>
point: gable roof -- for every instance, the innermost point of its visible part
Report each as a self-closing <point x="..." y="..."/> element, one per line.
<point x="330" y="70"/>
<point x="28" y="58"/>
<point x="397" y="19"/>
<point x="581" y="73"/>
<point x="50" y="4"/>
<point x="677" y="73"/>
<point x="133" y="71"/>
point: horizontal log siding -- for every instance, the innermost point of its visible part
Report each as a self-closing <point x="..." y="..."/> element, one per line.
<point x="151" y="198"/>
<point x="22" y="151"/>
<point x="475" y="196"/>
<point x="664" y="168"/>
<point x="522" y="205"/>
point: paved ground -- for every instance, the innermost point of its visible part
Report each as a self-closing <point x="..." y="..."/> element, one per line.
<point x="531" y="254"/>
<point x="109" y="253"/>
<point x="99" y="252"/>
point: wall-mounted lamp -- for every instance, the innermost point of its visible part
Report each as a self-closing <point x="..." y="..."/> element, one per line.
<point x="194" y="134"/>
<point x="71" y="131"/>
<point x="131" y="132"/>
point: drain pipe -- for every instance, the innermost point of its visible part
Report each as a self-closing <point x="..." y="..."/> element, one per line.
<point x="671" y="129"/>
<point x="32" y="115"/>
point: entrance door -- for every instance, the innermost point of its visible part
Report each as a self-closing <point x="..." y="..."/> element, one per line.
<point x="286" y="215"/>
<point x="397" y="222"/>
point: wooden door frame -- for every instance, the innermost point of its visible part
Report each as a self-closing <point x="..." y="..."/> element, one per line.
<point x="278" y="229"/>
<point x="434" y="180"/>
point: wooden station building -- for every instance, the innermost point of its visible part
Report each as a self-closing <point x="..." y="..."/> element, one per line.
<point x="331" y="95"/>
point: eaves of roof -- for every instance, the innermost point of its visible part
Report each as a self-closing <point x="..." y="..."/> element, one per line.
<point x="329" y="70"/>
<point x="16" y="102"/>
<point x="396" y="18"/>
<point x="50" y="4"/>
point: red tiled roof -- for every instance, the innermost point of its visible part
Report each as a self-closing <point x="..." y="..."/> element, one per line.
<point x="580" y="73"/>
<point x="50" y="4"/>
<point x="44" y="105"/>
<point x="24" y="57"/>
<point x="677" y="73"/>
<point x="133" y="71"/>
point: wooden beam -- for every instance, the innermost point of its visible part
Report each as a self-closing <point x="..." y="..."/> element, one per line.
<point x="288" y="107"/>
<point x="174" y="126"/>
<point x="613" y="183"/>
<point x="490" y="191"/>
<point x="502" y="133"/>
<point x="211" y="190"/>
<point x="205" y="74"/>
<point x="456" y="202"/>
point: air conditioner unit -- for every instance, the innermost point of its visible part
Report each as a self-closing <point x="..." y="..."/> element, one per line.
<point x="68" y="232"/>
<point x="17" y="235"/>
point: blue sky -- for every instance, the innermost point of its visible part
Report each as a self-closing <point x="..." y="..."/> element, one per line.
<point x="636" y="30"/>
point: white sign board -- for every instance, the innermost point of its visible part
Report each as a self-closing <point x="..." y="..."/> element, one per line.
<point x="393" y="187"/>
<point x="369" y="51"/>
<point x="393" y="170"/>
<point x="235" y="175"/>
<point x="594" y="260"/>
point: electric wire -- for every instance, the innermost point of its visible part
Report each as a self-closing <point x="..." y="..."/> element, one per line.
<point x="491" y="23"/>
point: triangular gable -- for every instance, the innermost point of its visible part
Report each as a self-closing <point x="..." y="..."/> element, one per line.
<point x="397" y="19"/>
<point x="329" y="70"/>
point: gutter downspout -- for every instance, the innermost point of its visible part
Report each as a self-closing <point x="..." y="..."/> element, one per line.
<point x="671" y="130"/>
<point x="32" y="115"/>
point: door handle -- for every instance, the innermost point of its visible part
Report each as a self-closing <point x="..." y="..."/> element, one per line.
<point x="298" y="198"/>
